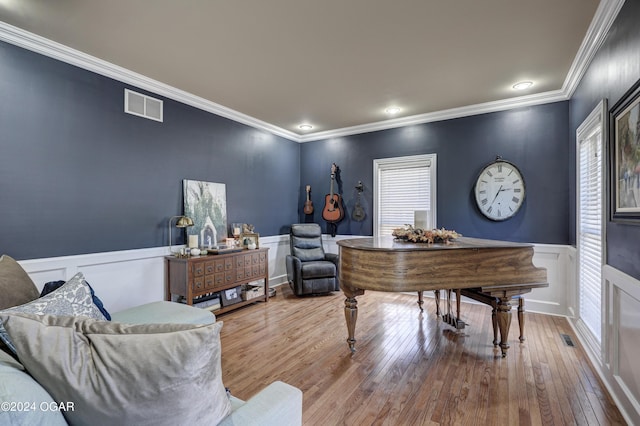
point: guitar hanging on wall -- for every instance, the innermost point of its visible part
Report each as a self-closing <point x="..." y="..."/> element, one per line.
<point x="308" y="205"/>
<point x="358" y="213"/>
<point x="333" y="211"/>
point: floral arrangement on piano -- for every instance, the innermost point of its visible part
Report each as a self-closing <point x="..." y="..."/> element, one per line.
<point x="430" y="236"/>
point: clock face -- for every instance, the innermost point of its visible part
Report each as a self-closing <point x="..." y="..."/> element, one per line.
<point x="500" y="190"/>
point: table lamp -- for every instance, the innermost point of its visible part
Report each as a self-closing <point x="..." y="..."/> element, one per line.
<point x="181" y="222"/>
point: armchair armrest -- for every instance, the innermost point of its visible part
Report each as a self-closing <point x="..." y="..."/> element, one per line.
<point x="335" y="259"/>
<point x="279" y="404"/>
<point x="294" y="269"/>
<point x="332" y="257"/>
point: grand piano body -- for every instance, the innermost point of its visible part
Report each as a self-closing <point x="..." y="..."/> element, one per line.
<point x="492" y="272"/>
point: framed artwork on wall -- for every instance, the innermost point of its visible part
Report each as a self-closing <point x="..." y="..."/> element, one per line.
<point x="206" y="204"/>
<point x="625" y="157"/>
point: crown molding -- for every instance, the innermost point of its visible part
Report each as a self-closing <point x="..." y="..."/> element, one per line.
<point x="447" y="114"/>
<point x="52" y="49"/>
<point x="605" y="15"/>
<point x="596" y="33"/>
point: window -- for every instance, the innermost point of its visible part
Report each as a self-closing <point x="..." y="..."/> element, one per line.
<point x="402" y="186"/>
<point x="590" y="227"/>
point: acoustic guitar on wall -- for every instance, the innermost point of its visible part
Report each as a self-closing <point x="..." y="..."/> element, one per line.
<point x="332" y="211"/>
<point x="308" y="205"/>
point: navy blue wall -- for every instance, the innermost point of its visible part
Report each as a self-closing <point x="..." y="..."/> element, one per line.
<point x="534" y="138"/>
<point x="613" y="71"/>
<point x="78" y="175"/>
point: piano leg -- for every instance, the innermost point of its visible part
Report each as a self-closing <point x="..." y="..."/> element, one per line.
<point x="521" y="317"/>
<point x="420" y="301"/>
<point x="504" y="322"/>
<point x="494" y="321"/>
<point x="351" y="315"/>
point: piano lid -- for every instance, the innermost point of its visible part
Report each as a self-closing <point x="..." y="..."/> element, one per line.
<point x="390" y="243"/>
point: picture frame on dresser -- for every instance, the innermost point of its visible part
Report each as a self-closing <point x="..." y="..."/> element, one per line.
<point x="231" y="296"/>
<point x="248" y="237"/>
<point x="624" y="148"/>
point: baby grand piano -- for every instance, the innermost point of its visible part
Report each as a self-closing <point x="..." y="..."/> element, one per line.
<point x="489" y="271"/>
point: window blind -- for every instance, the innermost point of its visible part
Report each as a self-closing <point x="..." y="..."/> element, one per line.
<point x="403" y="187"/>
<point x="590" y="233"/>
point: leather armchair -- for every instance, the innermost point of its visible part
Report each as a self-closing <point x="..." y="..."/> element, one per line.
<point x="309" y="269"/>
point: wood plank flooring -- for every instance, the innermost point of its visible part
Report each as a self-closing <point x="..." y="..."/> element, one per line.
<point x="411" y="369"/>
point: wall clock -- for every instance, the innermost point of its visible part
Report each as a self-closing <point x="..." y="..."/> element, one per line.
<point x="499" y="190"/>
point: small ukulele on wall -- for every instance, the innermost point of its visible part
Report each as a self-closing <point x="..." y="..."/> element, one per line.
<point x="333" y="211"/>
<point x="308" y="205"/>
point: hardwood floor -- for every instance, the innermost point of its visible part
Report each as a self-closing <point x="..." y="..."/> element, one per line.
<point x="411" y="369"/>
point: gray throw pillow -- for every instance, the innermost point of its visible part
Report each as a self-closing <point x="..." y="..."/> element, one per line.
<point x="16" y="288"/>
<point x="118" y="374"/>
<point x="72" y="299"/>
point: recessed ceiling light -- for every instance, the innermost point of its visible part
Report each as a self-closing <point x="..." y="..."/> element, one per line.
<point x="392" y="110"/>
<point x="522" y="85"/>
<point x="305" y="127"/>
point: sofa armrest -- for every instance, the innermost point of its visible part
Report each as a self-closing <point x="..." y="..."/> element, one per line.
<point x="279" y="404"/>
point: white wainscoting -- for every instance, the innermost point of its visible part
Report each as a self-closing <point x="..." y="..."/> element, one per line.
<point x="616" y="363"/>
<point x="128" y="278"/>
<point x="123" y="279"/>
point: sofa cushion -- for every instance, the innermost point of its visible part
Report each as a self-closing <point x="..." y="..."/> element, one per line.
<point x="73" y="298"/>
<point x="124" y="374"/>
<point x="16" y="287"/>
<point x="29" y="403"/>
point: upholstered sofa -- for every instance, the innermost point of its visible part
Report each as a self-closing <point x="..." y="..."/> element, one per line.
<point x="158" y="363"/>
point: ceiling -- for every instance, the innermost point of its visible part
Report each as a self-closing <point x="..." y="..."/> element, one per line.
<point x="335" y="64"/>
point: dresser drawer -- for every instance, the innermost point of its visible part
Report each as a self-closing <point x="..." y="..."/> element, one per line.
<point x="198" y="284"/>
<point x="197" y="269"/>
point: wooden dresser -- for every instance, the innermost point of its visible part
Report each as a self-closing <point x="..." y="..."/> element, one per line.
<point x="199" y="275"/>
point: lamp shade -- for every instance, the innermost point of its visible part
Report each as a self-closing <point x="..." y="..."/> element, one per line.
<point x="184" y="221"/>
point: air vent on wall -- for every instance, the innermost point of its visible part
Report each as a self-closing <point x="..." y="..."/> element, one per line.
<point x="142" y="105"/>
